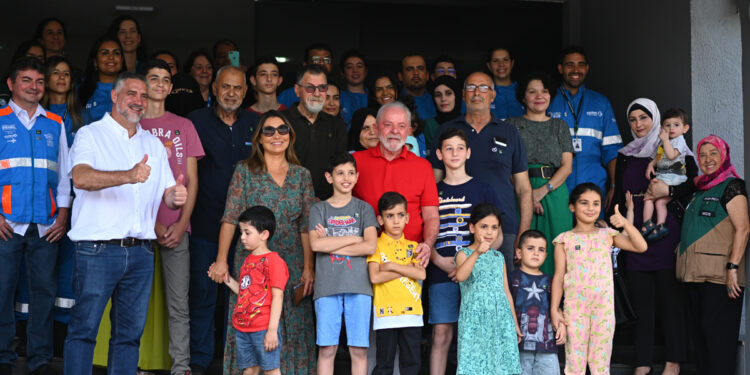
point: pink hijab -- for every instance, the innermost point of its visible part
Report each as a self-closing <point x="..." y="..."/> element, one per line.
<point x="726" y="170"/>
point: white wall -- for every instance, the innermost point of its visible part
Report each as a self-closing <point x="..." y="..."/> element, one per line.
<point x="716" y="69"/>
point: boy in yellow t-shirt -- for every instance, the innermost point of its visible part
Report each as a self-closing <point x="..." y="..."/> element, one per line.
<point x="397" y="296"/>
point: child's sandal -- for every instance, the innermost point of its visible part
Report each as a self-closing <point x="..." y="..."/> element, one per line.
<point x="660" y="231"/>
<point x="647" y="228"/>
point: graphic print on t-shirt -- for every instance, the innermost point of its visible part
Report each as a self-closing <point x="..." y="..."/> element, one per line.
<point x="340" y="226"/>
<point x="172" y="142"/>
<point x="454" y="223"/>
<point x="253" y="290"/>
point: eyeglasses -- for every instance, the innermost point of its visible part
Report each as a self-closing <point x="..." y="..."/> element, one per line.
<point x="320" y="60"/>
<point x="445" y="71"/>
<point x="282" y="129"/>
<point x="311" y="88"/>
<point x="481" y="88"/>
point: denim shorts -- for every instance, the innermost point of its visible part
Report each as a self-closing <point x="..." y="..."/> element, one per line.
<point x="356" y="310"/>
<point x="251" y="352"/>
<point x="539" y="363"/>
<point x="445" y="298"/>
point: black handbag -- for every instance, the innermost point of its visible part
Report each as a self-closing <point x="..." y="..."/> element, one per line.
<point x="624" y="311"/>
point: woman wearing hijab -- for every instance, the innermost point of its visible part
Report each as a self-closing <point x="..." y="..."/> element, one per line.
<point x="446" y="94"/>
<point x="710" y="258"/>
<point x="651" y="275"/>
<point x="550" y="153"/>
<point x="362" y="134"/>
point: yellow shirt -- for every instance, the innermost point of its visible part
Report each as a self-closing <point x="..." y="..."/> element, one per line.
<point x="401" y="296"/>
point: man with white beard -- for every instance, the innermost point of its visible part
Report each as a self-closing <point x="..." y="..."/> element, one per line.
<point x="390" y="166"/>
<point x="318" y="134"/>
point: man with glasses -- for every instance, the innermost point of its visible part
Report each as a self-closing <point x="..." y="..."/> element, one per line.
<point x="500" y="65"/>
<point x="315" y="54"/>
<point x="413" y="76"/>
<point x="318" y="134"/>
<point x="498" y="158"/>
<point x="443" y="66"/>
<point x="225" y="131"/>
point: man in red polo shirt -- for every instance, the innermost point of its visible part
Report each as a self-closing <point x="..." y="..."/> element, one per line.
<point x="390" y="166"/>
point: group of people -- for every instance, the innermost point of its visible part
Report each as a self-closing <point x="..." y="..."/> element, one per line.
<point x="125" y="185"/>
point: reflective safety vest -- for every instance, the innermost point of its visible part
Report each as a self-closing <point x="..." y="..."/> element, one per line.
<point x="28" y="167"/>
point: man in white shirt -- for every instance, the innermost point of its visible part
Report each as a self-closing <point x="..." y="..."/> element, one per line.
<point x="34" y="211"/>
<point x="121" y="175"/>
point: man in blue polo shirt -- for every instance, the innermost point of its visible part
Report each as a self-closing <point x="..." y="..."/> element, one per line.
<point x="500" y="64"/>
<point x="593" y="128"/>
<point x="498" y="158"/>
<point x="317" y="54"/>
<point x="226" y="132"/>
<point x="354" y="94"/>
<point x="413" y="76"/>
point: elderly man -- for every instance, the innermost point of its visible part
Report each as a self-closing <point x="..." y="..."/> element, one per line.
<point x="226" y="132"/>
<point x="36" y="197"/>
<point x="121" y="175"/>
<point x="593" y="127"/>
<point x="315" y="54"/>
<point x="498" y="157"/>
<point x="390" y="166"/>
<point x="319" y="135"/>
<point x="413" y="76"/>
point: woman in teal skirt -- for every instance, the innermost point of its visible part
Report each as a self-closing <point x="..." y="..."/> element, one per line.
<point x="550" y="153"/>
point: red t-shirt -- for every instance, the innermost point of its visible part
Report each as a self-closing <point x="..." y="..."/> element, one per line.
<point x="407" y="174"/>
<point x="181" y="141"/>
<point x="259" y="273"/>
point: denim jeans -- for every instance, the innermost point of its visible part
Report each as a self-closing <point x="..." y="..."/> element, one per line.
<point x="41" y="260"/>
<point x="102" y="271"/>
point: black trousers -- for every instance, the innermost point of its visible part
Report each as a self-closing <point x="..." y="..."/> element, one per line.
<point x="658" y="293"/>
<point x="407" y="341"/>
<point x="717" y="319"/>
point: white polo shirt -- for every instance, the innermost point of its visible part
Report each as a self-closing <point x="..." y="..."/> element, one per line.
<point x="127" y="210"/>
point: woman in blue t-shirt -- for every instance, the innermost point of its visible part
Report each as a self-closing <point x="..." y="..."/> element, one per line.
<point x="102" y="67"/>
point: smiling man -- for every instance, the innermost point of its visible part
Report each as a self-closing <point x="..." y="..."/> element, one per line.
<point x="35" y="201"/>
<point x="121" y="175"/>
<point x="225" y="132"/>
<point x="498" y="158"/>
<point x="319" y="135"/>
<point x="593" y="127"/>
<point x="184" y="148"/>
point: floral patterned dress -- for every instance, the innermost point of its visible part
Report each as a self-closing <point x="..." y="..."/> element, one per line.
<point x="487" y="341"/>
<point x="290" y="204"/>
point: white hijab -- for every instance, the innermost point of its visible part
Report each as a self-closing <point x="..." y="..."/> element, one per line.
<point x="644" y="147"/>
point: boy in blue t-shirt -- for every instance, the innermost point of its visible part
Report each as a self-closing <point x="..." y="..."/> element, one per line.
<point x="343" y="232"/>
<point x="531" y="293"/>
<point x="458" y="193"/>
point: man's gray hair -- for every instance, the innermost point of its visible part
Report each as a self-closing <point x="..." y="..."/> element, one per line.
<point x="395" y="104"/>
<point x="233" y="68"/>
<point x="122" y="77"/>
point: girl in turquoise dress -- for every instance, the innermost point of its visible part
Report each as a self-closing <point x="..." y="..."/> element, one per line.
<point x="488" y="333"/>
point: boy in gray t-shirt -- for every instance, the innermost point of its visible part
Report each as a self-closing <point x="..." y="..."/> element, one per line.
<point x="343" y="232"/>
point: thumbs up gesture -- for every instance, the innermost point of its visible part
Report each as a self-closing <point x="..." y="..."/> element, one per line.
<point x="617" y="220"/>
<point x="180" y="192"/>
<point x="140" y="172"/>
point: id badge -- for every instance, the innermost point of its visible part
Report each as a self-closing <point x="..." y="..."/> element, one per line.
<point x="577" y="144"/>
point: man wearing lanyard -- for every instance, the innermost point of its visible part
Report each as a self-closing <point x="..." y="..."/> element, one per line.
<point x="593" y="128"/>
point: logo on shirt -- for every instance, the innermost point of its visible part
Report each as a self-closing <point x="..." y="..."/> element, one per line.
<point x="594" y="113"/>
<point x="341" y="221"/>
<point x="245" y="282"/>
<point x="9" y="127"/>
<point x="50" y="139"/>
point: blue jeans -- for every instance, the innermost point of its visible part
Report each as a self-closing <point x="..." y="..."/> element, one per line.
<point x="203" y="293"/>
<point x="41" y="260"/>
<point x="102" y="271"/>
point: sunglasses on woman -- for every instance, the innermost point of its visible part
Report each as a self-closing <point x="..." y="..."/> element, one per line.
<point x="282" y="129"/>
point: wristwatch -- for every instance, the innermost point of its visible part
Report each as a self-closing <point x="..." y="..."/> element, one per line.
<point x="550" y="187"/>
<point x="732" y="266"/>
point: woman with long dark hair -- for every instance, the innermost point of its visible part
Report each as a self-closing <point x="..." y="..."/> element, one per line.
<point x="128" y="32"/>
<point x="103" y="65"/>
